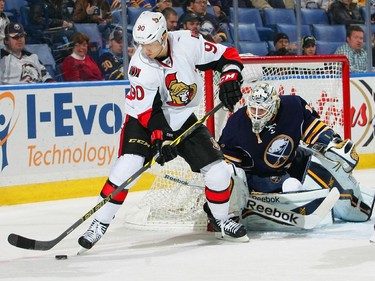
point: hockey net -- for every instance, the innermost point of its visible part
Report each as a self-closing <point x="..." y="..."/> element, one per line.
<point x="175" y="199"/>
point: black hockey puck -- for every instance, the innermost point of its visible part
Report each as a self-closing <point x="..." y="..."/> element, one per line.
<point x="61" y="257"/>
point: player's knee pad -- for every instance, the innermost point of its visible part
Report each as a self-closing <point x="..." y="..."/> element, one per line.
<point x="216" y="175"/>
<point x="124" y="167"/>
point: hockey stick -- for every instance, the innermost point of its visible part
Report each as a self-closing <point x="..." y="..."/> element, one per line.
<point x="32" y="244"/>
<point x="277" y="214"/>
<point x="292" y="218"/>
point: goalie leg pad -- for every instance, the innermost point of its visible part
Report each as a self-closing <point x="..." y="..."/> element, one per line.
<point x="356" y="201"/>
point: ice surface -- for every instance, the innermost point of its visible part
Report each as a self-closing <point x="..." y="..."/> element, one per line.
<point x="338" y="252"/>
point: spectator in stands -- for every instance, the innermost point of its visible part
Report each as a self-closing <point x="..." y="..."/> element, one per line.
<point x="111" y="62"/>
<point x="171" y="17"/>
<point x="92" y="11"/>
<point x="199" y="7"/>
<point x="282" y="46"/>
<point x="309" y="45"/>
<point x="353" y="49"/>
<point x="161" y="5"/>
<point x="116" y="4"/>
<point x="79" y="66"/>
<point x="3" y="22"/>
<point x="52" y="14"/>
<point x="191" y="22"/>
<point x="18" y="66"/>
<point x="345" y="12"/>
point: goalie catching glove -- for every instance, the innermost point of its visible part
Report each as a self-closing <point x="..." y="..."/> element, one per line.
<point x="230" y="88"/>
<point x="161" y="149"/>
<point x="344" y="152"/>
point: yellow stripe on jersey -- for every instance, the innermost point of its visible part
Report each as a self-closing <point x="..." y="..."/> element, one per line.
<point x="314" y="130"/>
<point x="235" y="160"/>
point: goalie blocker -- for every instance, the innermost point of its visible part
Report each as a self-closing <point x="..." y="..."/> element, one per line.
<point x="318" y="175"/>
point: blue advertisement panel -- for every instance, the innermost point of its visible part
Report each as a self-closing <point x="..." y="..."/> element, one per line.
<point x="54" y="132"/>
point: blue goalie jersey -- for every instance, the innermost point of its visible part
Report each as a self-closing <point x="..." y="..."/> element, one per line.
<point x="273" y="152"/>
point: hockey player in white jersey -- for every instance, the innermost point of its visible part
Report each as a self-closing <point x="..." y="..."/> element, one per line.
<point x="165" y="90"/>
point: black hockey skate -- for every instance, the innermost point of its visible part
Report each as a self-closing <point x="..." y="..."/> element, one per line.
<point x="226" y="229"/>
<point x="92" y="235"/>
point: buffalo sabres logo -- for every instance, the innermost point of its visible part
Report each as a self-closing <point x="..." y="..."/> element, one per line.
<point x="29" y="73"/>
<point x="278" y="151"/>
<point x="180" y="93"/>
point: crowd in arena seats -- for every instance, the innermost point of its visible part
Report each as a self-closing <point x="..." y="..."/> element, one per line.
<point x="269" y="25"/>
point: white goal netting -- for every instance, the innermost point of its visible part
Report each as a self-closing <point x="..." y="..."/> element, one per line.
<point x="175" y="199"/>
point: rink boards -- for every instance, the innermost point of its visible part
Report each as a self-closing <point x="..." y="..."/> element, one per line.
<point x="59" y="140"/>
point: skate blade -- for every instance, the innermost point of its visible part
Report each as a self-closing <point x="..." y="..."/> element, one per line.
<point x="243" y="239"/>
<point x="372" y="239"/>
<point x="81" y="251"/>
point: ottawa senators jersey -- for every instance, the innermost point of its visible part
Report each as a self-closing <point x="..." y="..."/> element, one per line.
<point x="174" y="85"/>
<point x="295" y="121"/>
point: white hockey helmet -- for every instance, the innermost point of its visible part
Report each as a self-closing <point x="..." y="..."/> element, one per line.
<point x="262" y="104"/>
<point x="150" y="27"/>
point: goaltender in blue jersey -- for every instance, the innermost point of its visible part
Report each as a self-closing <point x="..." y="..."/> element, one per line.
<point x="280" y="145"/>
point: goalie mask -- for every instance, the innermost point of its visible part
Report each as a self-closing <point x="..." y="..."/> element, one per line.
<point x="262" y="105"/>
<point x="150" y="27"/>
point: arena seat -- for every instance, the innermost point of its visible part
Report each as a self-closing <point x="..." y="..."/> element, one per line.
<point x="34" y="32"/>
<point x="291" y="30"/>
<point x="248" y="15"/>
<point x="256" y="48"/>
<point x="179" y="10"/>
<point x="329" y="33"/>
<point x="13" y="7"/>
<point x="276" y="16"/>
<point x="327" y="48"/>
<point x="314" y="16"/>
<point x="246" y="32"/>
<point x="117" y="17"/>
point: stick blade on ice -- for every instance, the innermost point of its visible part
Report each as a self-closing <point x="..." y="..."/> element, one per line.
<point x="31" y="244"/>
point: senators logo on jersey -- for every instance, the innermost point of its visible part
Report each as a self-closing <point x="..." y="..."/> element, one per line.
<point x="180" y="93"/>
<point x="134" y="71"/>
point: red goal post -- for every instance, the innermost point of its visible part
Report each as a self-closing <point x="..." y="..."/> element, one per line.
<point x="323" y="81"/>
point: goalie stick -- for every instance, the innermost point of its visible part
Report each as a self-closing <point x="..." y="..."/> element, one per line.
<point x="277" y="214"/>
<point x="32" y="244"/>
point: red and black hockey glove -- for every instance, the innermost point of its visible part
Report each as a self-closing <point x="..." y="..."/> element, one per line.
<point x="162" y="151"/>
<point x="230" y="88"/>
